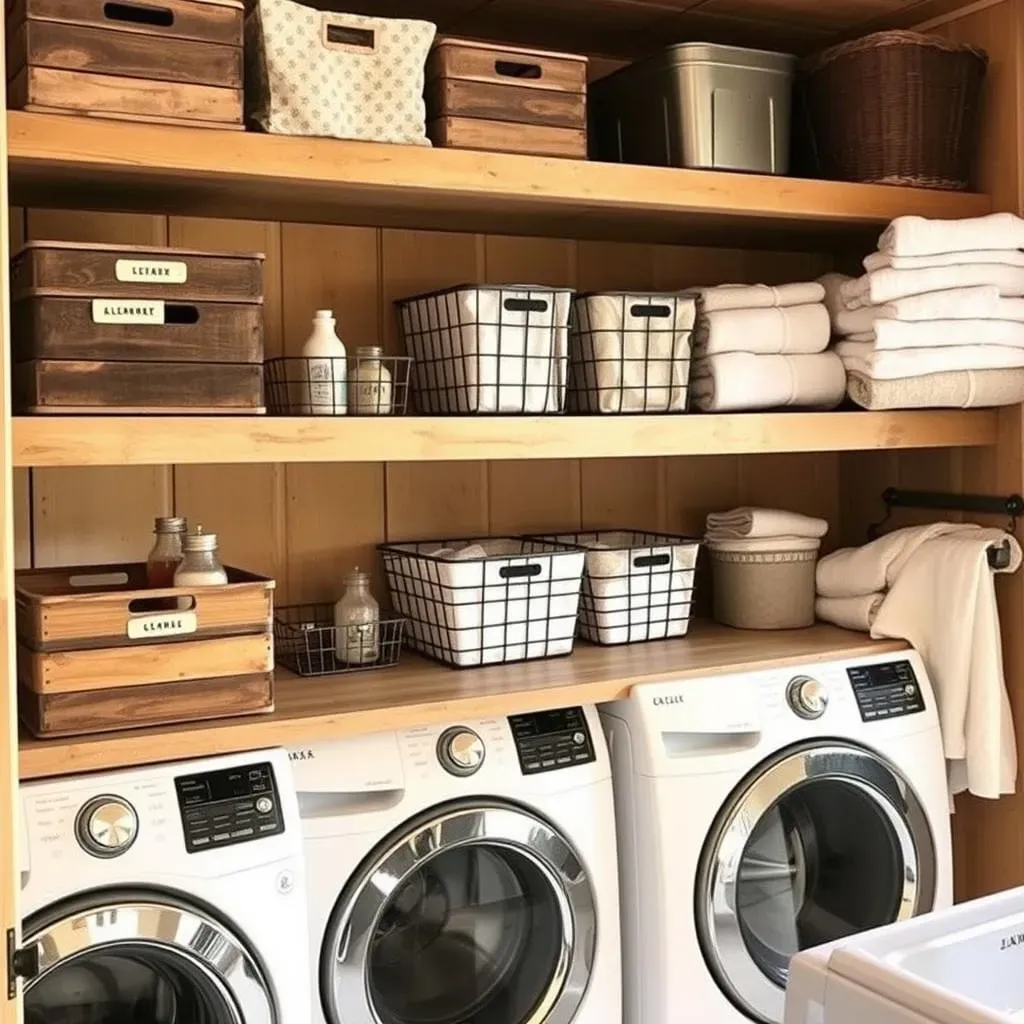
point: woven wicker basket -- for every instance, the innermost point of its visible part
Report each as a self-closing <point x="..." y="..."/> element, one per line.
<point x="895" y="108"/>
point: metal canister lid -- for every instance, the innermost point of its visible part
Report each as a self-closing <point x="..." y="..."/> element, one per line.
<point x="170" y="524"/>
<point x="369" y="352"/>
<point x="200" y="541"/>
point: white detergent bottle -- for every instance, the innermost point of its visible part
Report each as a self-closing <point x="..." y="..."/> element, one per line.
<point x="323" y="388"/>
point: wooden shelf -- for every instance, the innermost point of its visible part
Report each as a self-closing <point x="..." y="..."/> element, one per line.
<point x="140" y="441"/>
<point x="208" y="172"/>
<point x="419" y="692"/>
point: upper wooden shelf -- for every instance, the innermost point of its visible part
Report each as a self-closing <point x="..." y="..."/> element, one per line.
<point x="139" y="441"/>
<point x="86" y="163"/>
<point x="419" y="692"/>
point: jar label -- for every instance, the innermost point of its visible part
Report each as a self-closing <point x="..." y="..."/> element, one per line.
<point x="152" y="271"/>
<point x="153" y="627"/>
<point x="127" y="311"/>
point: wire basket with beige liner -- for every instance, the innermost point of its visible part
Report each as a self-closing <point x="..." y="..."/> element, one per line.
<point x="895" y="108"/>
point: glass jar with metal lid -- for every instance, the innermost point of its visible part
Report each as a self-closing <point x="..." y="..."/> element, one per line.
<point x="200" y="566"/>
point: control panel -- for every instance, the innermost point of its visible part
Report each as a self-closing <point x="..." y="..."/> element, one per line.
<point x="548" y="740"/>
<point x="889" y="690"/>
<point x="222" y="808"/>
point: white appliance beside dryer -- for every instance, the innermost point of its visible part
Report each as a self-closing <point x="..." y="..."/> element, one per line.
<point x="763" y="812"/>
<point x="172" y="895"/>
<point x="962" y="965"/>
<point x="464" y="873"/>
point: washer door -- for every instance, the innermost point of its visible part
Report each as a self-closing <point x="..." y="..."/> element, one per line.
<point x="820" y="842"/>
<point x="470" y="915"/>
<point x="112" y="958"/>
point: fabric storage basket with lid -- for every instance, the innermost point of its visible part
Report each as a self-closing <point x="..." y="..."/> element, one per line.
<point x="343" y="76"/>
<point x="637" y="586"/>
<point x="895" y="108"/>
<point x="630" y="352"/>
<point x="488" y="349"/>
<point x="697" y="105"/>
<point x="485" y="601"/>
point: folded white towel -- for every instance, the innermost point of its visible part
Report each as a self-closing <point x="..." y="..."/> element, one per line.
<point x="953" y="389"/>
<point x="978" y="303"/>
<point x="758" y="296"/>
<point x="880" y="260"/>
<point x="749" y="522"/>
<point x="855" y="613"/>
<point x="885" y="285"/>
<point x="854" y="572"/>
<point x="919" y="236"/>
<point x="897" y="334"/>
<point x="792" y="329"/>
<point x="890" y="364"/>
<point x="948" y="580"/>
<point x="734" y="381"/>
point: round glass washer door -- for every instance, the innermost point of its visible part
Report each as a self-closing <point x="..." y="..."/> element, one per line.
<point x="113" y="958"/>
<point x="818" y="843"/>
<point x="470" y="915"/>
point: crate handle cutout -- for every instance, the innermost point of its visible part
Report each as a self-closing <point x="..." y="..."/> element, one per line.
<point x="517" y="69"/>
<point x="348" y="37"/>
<point x="526" y="305"/>
<point x="139" y="14"/>
<point x="647" y="561"/>
<point x="148" y="605"/>
<point x="515" y="572"/>
<point x="179" y="313"/>
<point x="650" y="311"/>
<point x="88" y="581"/>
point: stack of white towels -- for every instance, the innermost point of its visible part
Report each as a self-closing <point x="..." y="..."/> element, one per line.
<point x="937" y="319"/>
<point x="763" y="347"/>
<point x="763" y="529"/>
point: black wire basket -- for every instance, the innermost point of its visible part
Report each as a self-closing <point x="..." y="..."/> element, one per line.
<point x="488" y="349"/>
<point x="629" y="352"/>
<point x="306" y="641"/>
<point x="355" y="386"/>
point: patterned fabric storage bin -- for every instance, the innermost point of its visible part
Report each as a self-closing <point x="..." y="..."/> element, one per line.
<point x="484" y="602"/>
<point x="343" y="76"/>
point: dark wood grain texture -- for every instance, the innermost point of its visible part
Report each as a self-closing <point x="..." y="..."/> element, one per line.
<point x="531" y="69"/>
<point x="453" y="97"/>
<point x="503" y="137"/>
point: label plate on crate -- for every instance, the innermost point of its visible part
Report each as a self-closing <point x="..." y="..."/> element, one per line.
<point x="152" y="627"/>
<point x="548" y="740"/>
<point x="163" y="271"/>
<point x="127" y="311"/>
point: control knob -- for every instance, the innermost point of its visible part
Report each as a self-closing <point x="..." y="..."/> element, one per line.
<point x="807" y="697"/>
<point x="460" y="751"/>
<point x="106" y="826"/>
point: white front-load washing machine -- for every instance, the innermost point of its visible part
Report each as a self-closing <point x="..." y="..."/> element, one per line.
<point x="464" y="874"/>
<point x="765" y="812"/>
<point x="172" y="894"/>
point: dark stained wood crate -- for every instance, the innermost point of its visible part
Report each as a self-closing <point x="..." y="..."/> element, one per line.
<point x="508" y="99"/>
<point x="179" y="62"/>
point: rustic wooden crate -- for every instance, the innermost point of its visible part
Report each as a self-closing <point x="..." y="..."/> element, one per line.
<point x="505" y="137"/>
<point x="91" y="387"/>
<point x="136" y="271"/>
<point x="53" y="327"/>
<point x="177" y="63"/>
<point x="507" y="65"/>
<point x="454" y="96"/>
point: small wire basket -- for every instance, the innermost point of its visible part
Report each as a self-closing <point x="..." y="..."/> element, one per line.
<point x="306" y="641"/>
<point x="363" y="385"/>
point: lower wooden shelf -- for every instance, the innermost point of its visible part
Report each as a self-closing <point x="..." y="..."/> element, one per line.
<point x="420" y="692"/>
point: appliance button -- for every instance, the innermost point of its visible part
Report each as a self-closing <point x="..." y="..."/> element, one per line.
<point x="807" y="697"/>
<point x="579" y="738"/>
<point x="264" y="805"/>
<point x="910" y="689"/>
<point x="201" y="842"/>
<point x="220" y="837"/>
<point x="460" y="751"/>
<point x="239" y="833"/>
<point x="106" y="826"/>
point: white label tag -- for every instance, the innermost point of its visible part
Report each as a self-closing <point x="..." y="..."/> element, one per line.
<point x="127" y="311"/>
<point x="153" y="627"/>
<point x="157" y="271"/>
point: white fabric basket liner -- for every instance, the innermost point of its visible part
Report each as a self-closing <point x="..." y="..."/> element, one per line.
<point x="477" y="349"/>
<point x="509" y="606"/>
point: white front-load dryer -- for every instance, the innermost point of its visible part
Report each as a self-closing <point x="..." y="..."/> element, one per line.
<point x="172" y="894"/>
<point x="762" y="813"/>
<point x="464" y="874"/>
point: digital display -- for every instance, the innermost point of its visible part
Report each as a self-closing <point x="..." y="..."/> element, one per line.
<point x="549" y="740"/>
<point x="544" y="723"/>
<point x="230" y="806"/>
<point x="888" y="690"/>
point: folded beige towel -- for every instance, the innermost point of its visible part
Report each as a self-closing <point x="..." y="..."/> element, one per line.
<point x="747" y="522"/>
<point x="856" y="613"/>
<point x="890" y="334"/>
<point x="879" y="260"/>
<point x="920" y="236"/>
<point x="833" y="285"/>
<point x="733" y="381"/>
<point x="948" y="581"/>
<point x="981" y="303"/>
<point x="889" y="364"/>
<point x="791" y="329"/>
<point x="953" y="389"/>
<point x="773" y="544"/>
<point x="854" y="572"/>
<point x="880" y="286"/>
<point x="758" y="296"/>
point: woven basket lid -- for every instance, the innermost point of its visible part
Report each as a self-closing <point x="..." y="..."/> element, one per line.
<point x="878" y="40"/>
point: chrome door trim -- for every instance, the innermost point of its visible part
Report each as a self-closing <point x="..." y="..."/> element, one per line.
<point x="343" y="956"/>
<point x="718" y="927"/>
<point x="184" y="932"/>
